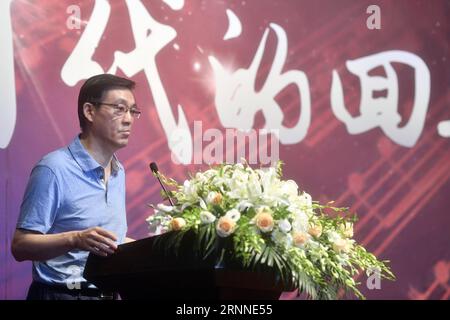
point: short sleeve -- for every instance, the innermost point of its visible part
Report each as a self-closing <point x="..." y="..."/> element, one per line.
<point x="40" y="202"/>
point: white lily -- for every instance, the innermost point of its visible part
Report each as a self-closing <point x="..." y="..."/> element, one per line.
<point x="164" y="208"/>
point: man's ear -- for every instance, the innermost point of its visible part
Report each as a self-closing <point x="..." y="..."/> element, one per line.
<point x="88" y="111"/>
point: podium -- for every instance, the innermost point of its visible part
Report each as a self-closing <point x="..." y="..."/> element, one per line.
<point x="137" y="271"/>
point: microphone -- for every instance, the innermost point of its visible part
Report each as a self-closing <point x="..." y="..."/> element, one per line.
<point x="154" y="169"/>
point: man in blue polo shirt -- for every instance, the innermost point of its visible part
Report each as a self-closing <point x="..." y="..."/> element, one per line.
<point x="74" y="202"/>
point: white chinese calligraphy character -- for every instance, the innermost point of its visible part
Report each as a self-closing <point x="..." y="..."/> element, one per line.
<point x="7" y="80"/>
<point x="444" y="129"/>
<point x="237" y="102"/>
<point x="150" y="38"/>
<point x="383" y="111"/>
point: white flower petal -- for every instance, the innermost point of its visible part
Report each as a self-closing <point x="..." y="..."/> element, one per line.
<point x="233" y="214"/>
<point x="164" y="208"/>
<point x="202" y="204"/>
<point x="284" y="225"/>
<point x="207" y="217"/>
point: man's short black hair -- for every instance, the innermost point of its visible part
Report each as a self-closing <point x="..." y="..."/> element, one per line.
<point x="94" y="89"/>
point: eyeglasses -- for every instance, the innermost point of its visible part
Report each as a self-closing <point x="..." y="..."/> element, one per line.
<point x="120" y="109"/>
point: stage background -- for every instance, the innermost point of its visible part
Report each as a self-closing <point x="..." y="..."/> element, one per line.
<point x="395" y="177"/>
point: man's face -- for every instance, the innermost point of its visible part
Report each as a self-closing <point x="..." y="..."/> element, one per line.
<point x="108" y="125"/>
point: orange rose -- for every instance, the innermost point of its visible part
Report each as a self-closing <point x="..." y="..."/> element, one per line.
<point x="177" y="224"/>
<point x="214" y="198"/>
<point x="342" y="245"/>
<point x="315" y="231"/>
<point x="300" y="238"/>
<point x="217" y="199"/>
<point x="225" y="226"/>
<point x="264" y="221"/>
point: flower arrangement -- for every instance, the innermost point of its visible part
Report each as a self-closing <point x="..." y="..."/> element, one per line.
<point x="269" y="223"/>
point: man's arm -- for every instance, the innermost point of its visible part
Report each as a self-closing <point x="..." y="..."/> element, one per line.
<point x="127" y="240"/>
<point x="30" y="245"/>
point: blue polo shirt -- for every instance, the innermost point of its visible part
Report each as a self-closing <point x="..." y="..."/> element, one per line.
<point x="66" y="192"/>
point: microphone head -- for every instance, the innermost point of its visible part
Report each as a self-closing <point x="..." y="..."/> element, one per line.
<point x="154" y="167"/>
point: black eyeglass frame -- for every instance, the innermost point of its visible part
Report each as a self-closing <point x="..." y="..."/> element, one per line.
<point x="120" y="109"/>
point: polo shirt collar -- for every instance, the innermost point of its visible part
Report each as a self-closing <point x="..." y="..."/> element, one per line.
<point x="85" y="160"/>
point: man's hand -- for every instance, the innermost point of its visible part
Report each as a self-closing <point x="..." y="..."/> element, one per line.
<point x="35" y="246"/>
<point x="96" y="240"/>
